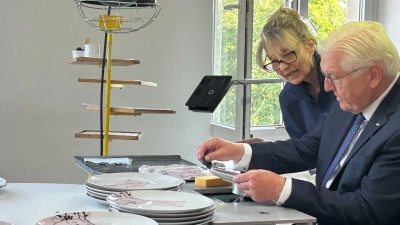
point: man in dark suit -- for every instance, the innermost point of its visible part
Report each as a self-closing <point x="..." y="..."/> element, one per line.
<point x="356" y="150"/>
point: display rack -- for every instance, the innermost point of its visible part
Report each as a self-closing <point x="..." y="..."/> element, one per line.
<point x="115" y="16"/>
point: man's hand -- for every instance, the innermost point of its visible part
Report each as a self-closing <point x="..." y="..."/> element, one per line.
<point x="218" y="149"/>
<point x="260" y="185"/>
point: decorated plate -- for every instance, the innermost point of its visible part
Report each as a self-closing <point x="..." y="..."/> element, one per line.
<point x="183" y="172"/>
<point x="96" y="218"/>
<point x="207" y="210"/>
<point x="154" y="201"/>
<point x="195" y="222"/>
<point x="134" y="181"/>
<point x="159" y="218"/>
<point x="104" y="195"/>
<point x="98" y="199"/>
<point x="4" y="223"/>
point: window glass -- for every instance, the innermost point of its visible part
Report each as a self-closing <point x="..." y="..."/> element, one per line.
<point x="265" y="109"/>
<point x="225" y="56"/>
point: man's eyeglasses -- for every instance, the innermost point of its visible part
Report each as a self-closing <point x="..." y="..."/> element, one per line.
<point x="335" y="80"/>
<point x="272" y="66"/>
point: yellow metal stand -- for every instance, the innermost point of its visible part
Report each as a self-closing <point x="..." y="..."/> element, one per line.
<point x="125" y="20"/>
<point x="108" y="95"/>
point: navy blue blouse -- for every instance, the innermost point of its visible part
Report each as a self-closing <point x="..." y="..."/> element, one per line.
<point x="300" y="111"/>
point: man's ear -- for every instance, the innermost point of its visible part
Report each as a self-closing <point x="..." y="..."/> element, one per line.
<point x="375" y="75"/>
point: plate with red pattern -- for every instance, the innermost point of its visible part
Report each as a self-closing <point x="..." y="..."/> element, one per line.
<point x="96" y="218"/>
<point x="4" y="223"/>
<point x="134" y="181"/>
<point x="156" y="201"/>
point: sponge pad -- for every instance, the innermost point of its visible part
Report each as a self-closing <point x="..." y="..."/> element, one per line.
<point x="210" y="181"/>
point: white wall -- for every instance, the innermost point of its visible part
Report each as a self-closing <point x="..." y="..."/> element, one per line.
<point x="387" y="14"/>
<point x="41" y="99"/>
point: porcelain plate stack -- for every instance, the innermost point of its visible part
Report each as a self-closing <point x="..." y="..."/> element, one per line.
<point x="100" y="186"/>
<point x="165" y="207"/>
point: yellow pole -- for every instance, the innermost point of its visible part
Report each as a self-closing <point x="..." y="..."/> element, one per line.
<point x="108" y="90"/>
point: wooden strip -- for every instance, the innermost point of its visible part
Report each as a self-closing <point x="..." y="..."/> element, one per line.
<point x="99" y="61"/>
<point x="133" y="82"/>
<point x="118" y="135"/>
<point x="131" y="111"/>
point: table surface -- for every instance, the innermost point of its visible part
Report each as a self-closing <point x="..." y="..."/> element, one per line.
<point x="28" y="203"/>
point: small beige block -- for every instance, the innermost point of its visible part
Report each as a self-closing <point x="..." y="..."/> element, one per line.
<point x="210" y="181"/>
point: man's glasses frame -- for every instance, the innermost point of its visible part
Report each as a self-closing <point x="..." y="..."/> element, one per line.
<point x="269" y="67"/>
<point x="334" y="80"/>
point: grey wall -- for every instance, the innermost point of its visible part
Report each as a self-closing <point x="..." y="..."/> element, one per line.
<point x="41" y="99"/>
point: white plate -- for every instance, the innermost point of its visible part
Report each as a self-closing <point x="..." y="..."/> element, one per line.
<point x="97" y="189"/>
<point x="97" y="195"/>
<point x="224" y="174"/>
<point x="183" y="172"/>
<point x="170" y="215"/>
<point x="159" y="201"/>
<point x="98" y="199"/>
<point x="3" y="183"/>
<point x="97" y="218"/>
<point x="134" y="181"/>
<point x="196" y="222"/>
<point x="175" y="218"/>
<point x="102" y="193"/>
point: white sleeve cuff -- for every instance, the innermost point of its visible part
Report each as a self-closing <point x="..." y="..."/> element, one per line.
<point x="243" y="164"/>
<point x="286" y="191"/>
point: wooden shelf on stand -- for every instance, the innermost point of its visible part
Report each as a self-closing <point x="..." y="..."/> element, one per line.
<point x="131" y="111"/>
<point x="132" y="82"/>
<point x="117" y="135"/>
<point x="99" y="61"/>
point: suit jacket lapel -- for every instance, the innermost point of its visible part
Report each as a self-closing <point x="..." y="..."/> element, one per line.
<point x="379" y="118"/>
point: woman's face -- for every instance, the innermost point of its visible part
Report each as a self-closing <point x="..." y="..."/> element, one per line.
<point x="297" y="71"/>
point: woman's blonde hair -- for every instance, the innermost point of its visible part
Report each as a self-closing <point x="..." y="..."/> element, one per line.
<point x="284" y="27"/>
<point x="363" y="43"/>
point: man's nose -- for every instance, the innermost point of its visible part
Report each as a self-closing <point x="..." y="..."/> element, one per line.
<point x="328" y="85"/>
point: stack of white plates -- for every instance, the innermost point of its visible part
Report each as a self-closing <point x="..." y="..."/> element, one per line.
<point x="100" y="186"/>
<point x="165" y="207"/>
<point x="95" y="218"/>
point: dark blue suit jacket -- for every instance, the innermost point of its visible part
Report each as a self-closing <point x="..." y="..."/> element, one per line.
<point x="367" y="189"/>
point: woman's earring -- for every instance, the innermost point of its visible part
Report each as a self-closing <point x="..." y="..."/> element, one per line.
<point x="312" y="61"/>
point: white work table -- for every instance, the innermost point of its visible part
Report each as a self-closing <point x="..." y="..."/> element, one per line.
<point x="28" y="203"/>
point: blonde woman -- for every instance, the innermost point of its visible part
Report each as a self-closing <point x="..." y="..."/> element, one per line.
<point x="288" y="48"/>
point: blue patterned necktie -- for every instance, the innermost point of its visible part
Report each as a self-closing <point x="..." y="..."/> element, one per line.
<point x="350" y="136"/>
